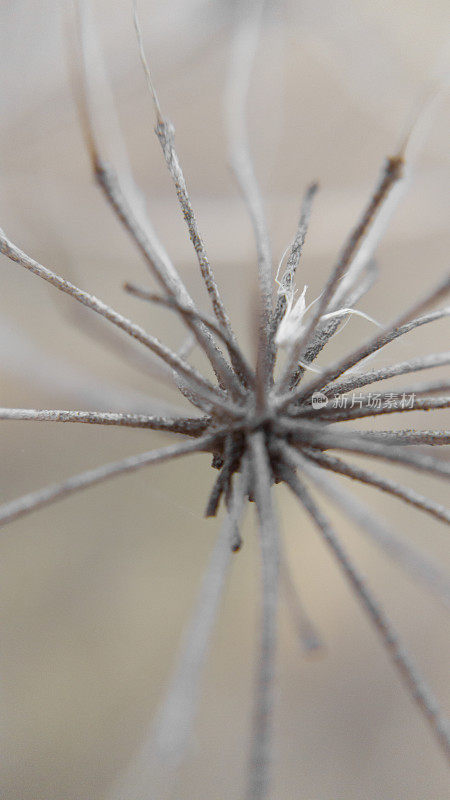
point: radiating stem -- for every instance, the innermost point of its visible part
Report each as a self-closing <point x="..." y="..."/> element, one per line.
<point x="44" y="497"/>
<point x="404" y="493"/>
<point x="98" y="306"/>
<point x="417" y="689"/>
<point x="190" y="426"/>
<point x="261" y="743"/>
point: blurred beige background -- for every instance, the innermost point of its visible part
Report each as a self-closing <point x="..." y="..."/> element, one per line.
<point x="95" y="591"/>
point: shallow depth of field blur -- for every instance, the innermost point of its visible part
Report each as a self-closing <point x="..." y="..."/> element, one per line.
<point x="95" y="590"/>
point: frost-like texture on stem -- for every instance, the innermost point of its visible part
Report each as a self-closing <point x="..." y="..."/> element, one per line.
<point x="189" y="426"/>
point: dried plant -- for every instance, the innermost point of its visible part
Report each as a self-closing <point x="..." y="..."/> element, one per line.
<point x="263" y="423"/>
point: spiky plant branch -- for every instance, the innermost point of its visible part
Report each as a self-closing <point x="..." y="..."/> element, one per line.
<point x="259" y="422"/>
<point x="413" y="681"/>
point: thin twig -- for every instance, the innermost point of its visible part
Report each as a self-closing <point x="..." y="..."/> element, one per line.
<point x="95" y="329"/>
<point x="310" y="435"/>
<point x="387" y="485"/>
<point x="23" y="357"/>
<point x="146" y="240"/>
<point x="417" y="689"/>
<point x="424" y="387"/>
<point x="154" y="769"/>
<point x="392" y="172"/>
<point x="187" y="346"/>
<point x="169" y="302"/>
<point x="110" y="184"/>
<point x="44" y="497"/>
<point x="286" y="286"/>
<point x="409" y="557"/>
<point x="421" y="463"/>
<point x="261" y="744"/>
<point x="309" y="638"/>
<point x="174" y="720"/>
<point x="189" y="426"/>
<point x="90" y="301"/>
<point x="241" y="61"/>
<point x="139" y="229"/>
<point x="287" y="282"/>
<point x="367" y="409"/>
<point x="404" y="367"/>
<point x="407" y="437"/>
<point x="165" y="132"/>
<point x="230" y="456"/>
